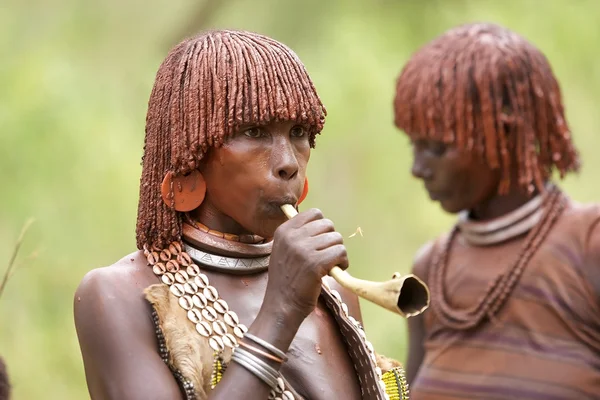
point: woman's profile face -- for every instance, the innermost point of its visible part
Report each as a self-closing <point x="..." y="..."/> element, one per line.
<point x="457" y="180"/>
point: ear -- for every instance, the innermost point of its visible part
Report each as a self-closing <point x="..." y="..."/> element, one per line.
<point x="304" y="191"/>
<point x="183" y="192"/>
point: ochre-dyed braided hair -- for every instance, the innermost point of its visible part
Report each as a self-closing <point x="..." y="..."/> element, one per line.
<point x="4" y="383"/>
<point x="483" y="88"/>
<point x="206" y="88"/>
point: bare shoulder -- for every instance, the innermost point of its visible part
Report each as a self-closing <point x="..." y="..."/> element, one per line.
<point x="125" y="279"/>
<point x="579" y="212"/>
<point x="424" y="257"/>
<point x="112" y="298"/>
<point x="117" y="335"/>
<point x="581" y="222"/>
<point x="584" y="221"/>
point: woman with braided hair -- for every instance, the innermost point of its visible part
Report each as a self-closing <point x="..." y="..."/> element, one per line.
<point x="225" y="297"/>
<point x="515" y="285"/>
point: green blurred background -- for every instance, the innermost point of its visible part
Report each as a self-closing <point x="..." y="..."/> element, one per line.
<point x="75" y="78"/>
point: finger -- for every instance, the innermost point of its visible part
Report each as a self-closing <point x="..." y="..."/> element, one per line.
<point x="326" y="240"/>
<point x="317" y="227"/>
<point x="333" y="256"/>
<point x="305" y="217"/>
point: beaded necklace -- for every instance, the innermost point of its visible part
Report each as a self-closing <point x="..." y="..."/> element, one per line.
<point x="501" y="287"/>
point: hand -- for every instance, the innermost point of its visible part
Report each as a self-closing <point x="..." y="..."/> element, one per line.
<point x="305" y="249"/>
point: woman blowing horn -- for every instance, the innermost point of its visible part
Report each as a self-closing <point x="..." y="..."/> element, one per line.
<point x="225" y="299"/>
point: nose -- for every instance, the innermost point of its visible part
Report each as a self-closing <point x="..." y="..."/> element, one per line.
<point x="285" y="163"/>
<point x="419" y="168"/>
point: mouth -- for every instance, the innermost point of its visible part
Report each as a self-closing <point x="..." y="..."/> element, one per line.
<point x="273" y="206"/>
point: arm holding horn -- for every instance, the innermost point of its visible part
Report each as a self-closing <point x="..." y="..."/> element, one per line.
<point x="405" y="295"/>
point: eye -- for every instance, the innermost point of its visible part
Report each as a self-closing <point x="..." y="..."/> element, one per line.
<point x="254" y="132"/>
<point x="298" y="131"/>
<point x="438" y="148"/>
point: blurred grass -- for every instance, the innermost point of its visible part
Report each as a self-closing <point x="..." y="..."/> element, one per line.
<point x="75" y="79"/>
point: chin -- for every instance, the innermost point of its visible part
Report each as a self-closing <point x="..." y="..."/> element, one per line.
<point x="451" y="208"/>
<point x="267" y="230"/>
<point x="266" y="227"/>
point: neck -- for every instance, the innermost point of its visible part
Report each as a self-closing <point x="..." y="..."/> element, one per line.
<point x="208" y="229"/>
<point x="209" y="215"/>
<point x="499" y="205"/>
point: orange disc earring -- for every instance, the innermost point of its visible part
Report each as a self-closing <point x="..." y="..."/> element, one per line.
<point x="185" y="192"/>
<point x="304" y="191"/>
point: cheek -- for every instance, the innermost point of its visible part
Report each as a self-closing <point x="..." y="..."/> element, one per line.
<point x="455" y="177"/>
<point x="230" y="177"/>
<point x="237" y="184"/>
<point x="302" y="154"/>
<point x="303" y="163"/>
<point x="460" y="183"/>
<point x="480" y="185"/>
<point x="488" y="185"/>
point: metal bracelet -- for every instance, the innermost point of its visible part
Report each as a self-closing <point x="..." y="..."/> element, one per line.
<point x="256" y="371"/>
<point x="248" y="355"/>
<point x="267" y="345"/>
<point x="258" y="367"/>
<point x="260" y="352"/>
<point x="279" y="382"/>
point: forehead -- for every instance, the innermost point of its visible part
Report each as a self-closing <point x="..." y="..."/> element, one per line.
<point x="256" y="80"/>
<point x="439" y="150"/>
<point x="273" y="124"/>
<point x="420" y="140"/>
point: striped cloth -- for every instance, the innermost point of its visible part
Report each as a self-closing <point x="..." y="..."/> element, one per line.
<point x="545" y="342"/>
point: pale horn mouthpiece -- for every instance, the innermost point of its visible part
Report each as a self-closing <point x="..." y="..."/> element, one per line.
<point x="406" y="295"/>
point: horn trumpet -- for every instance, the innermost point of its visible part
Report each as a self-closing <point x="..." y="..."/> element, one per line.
<point x="406" y="295"/>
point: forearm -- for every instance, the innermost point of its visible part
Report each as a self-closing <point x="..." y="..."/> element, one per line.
<point x="416" y="349"/>
<point x="240" y="382"/>
<point x="412" y="366"/>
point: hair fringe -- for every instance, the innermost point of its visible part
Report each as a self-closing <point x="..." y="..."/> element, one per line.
<point x="486" y="89"/>
<point x="207" y="87"/>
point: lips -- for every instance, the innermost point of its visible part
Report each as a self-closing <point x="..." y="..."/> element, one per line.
<point x="273" y="205"/>
<point x="284" y="200"/>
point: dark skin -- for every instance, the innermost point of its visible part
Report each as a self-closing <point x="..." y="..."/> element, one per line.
<point x="248" y="178"/>
<point x="4" y="382"/>
<point x="459" y="181"/>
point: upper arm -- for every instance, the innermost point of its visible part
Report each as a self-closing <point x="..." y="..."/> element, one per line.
<point x="416" y="325"/>
<point x="592" y="255"/>
<point x="117" y="341"/>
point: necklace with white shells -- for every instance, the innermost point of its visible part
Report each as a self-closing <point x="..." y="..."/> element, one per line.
<point x="177" y="267"/>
